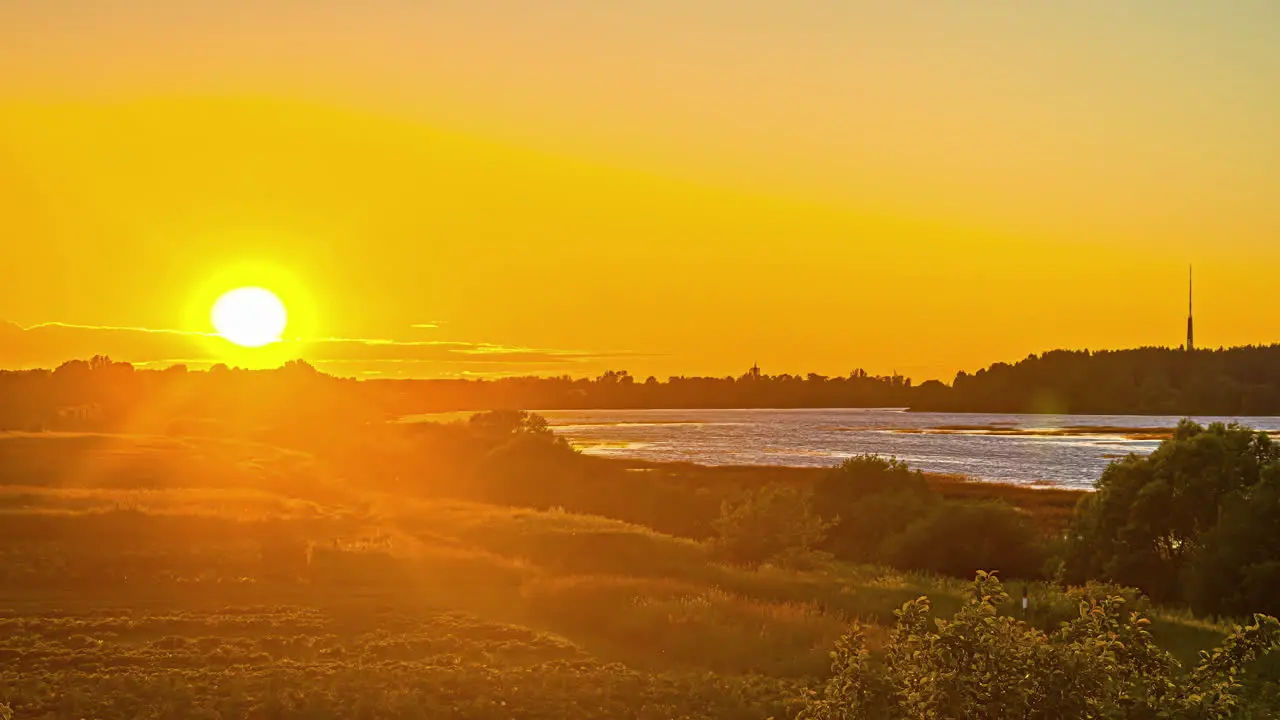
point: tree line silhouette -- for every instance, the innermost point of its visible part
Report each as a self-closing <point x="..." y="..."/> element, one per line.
<point x="1238" y="381"/>
<point x="101" y="393"/>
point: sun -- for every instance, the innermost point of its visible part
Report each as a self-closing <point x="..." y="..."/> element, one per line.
<point x="249" y="316"/>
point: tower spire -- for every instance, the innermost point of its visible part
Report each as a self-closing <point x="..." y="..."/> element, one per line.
<point x="1191" y="341"/>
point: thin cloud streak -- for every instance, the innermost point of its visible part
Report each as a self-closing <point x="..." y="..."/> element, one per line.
<point x="121" y="328"/>
<point x="51" y="343"/>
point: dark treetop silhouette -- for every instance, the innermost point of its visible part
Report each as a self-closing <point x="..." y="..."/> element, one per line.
<point x="102" y="394"/>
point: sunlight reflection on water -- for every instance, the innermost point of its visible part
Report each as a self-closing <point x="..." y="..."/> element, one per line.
<point x="1067" y="450"/>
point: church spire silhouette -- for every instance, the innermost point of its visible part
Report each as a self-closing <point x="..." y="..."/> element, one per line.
<point x="1191" y="337"/>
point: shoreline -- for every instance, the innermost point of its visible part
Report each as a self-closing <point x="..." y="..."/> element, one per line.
<point x="421" y="416"/>
<point x="903" y="410"/>
<point x="1051" y="506"/>
<point x="948" y="479"/>
<point x="941" y="478"/>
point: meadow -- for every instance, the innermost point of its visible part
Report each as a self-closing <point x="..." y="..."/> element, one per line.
<point x="180" y="577"/>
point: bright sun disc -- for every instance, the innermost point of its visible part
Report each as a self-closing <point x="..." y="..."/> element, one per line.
<point x="249" y="316"/>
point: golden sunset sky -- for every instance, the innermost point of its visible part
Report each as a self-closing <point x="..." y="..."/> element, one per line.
<point x="441" y="187"/>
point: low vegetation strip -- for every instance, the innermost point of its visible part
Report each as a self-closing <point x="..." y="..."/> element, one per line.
<point x="301" y="663"/>
<point x="234" y="593"/>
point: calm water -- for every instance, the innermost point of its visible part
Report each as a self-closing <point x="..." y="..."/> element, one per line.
<point x="1068" y="450"/>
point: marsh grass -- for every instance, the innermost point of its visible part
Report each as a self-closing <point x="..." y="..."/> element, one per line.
<point x="662" y="622"/>
<point x="190" y="593"/>
<point x="292" y="662"/>
<point x="558" y="541"/>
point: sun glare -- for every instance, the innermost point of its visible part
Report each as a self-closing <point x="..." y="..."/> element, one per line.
<point x="249" y="316"/>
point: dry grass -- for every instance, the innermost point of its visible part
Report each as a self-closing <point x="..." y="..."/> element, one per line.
<point x="146" y="462"/>
<point x="1052" y="508"/>
<point x="558" y="541"/>
<point x="666" y="622"/>
<point x="194" y="530"/>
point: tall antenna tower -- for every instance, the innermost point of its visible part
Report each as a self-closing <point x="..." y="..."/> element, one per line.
<point x="1191" y="337"/>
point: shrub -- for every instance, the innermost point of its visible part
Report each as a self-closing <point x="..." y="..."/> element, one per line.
<point x="1103" y="664"/>
<point x="774" y="523"/>
<point x="503" y="424"/>
<point x="531" y="469"/>
<point x="960" y="538"/>
<point x="1049" y="607"/>
<point x="870" y="498"/>
<point x="860" y="534"/>
<point x="863" y="476"/>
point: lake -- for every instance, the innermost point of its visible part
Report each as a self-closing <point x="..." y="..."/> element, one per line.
<point x="1063" y="450"/>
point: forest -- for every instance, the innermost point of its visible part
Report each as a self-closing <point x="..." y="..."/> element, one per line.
<point x="1240" y="381"/>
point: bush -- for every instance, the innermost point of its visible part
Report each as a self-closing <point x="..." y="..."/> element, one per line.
<point x="959" y="539"/>
<point x="531" y="469"/>
<point x="502" y="424"/>
<point x="1103" y="664"/>
<point x="863" y="529"/>
<point x="870" y="498"/>
<point x="863" y="476"/>
<point x="1049" y="607"/>
<point x="774" y="523"/>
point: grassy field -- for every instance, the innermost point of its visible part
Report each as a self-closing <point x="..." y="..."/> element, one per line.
<point x="179" y="578"/>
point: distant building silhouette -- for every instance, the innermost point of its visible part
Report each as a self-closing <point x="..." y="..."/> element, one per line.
<point x="1191" y="338"/>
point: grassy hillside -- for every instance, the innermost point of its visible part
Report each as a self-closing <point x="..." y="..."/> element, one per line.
<point x="182" y="578"/>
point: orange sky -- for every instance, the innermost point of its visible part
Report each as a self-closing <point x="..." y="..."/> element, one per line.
<point x="667" y="187"/>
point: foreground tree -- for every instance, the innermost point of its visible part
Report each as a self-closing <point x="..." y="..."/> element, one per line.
<point x="1193" y="520"/>
<point x="1237" y="568"/>
<point x="1102" y="664"/>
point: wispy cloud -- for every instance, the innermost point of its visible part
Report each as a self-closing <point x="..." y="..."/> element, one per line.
<point x="49" y="344"/>
<point x="121" y="328"/>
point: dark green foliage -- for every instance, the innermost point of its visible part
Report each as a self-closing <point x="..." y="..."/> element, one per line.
<point x="1198" y="520"/>
<point x="503" y="424"/>
<point x="530" y="466"/>
<point x="1237" y="567"/>
<point x="870" y="498"/>
<point x="1238" y="381"/>
<point x="885" y="512"/>
<point x="775" y="523"/>
<point x="958" y="539"/>
<point x="979" y="664"/>
<point x="863" y="476"/>
<point x="872" y="521"/>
